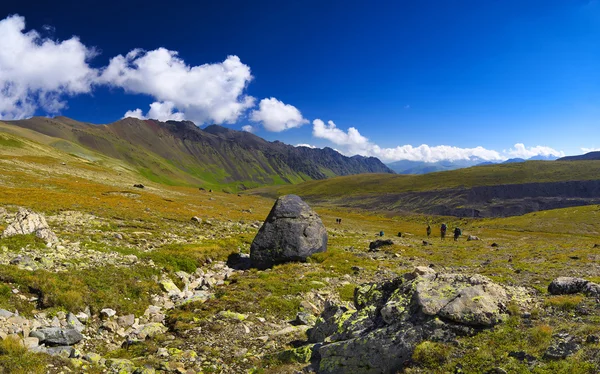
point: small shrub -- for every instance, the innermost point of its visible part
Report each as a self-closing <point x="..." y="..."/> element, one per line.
<point x="430" y="354"/>
<point x="540" y="335"/>
<point x="347" y="292"/>
<point x="564" y="302"/>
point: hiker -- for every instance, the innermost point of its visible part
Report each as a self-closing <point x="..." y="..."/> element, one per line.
<point x="428" y="230"/>
<point x="443" y="230"/>
<point x="457" y="233"/>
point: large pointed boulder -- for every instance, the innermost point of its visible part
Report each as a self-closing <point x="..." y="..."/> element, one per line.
<point x="291" y="232"/>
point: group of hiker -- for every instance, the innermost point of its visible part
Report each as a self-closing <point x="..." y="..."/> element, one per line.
<point x="443" y="229"/>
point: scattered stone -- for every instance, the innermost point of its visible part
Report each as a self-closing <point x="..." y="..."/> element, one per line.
<point x="107" y="312"/>
<point x="28" y="222"/>
<point x="291" y="232"/>
<point x="472" y="237"/>
<point x="74" y="322"/>
<point x="425" y="242"/>
<point x="120" y="365"/>
<point x="61" y="351"/>
<point x="126" y="321"/>
<point x="592" y="339"/>
<point x="5" y="313"/>
<point x="196" y="219"/>
<point x="374" y="246"/>
<point x="495" y="245"/>
<point x="118" y="236"/>
<point x="31" y="342"/>
<point x="522" y="356"/>
<point x="169" y="287"/>
<point x="305" y="319"/>
<point x="563" y="346"/>
<point x="57" y="336"/>
<point x="139" y="185"/>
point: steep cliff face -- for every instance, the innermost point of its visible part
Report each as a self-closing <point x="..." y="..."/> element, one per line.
<point x="181" y="153"/>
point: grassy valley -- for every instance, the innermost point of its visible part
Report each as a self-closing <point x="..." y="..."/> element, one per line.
<point x="117" y="244"/>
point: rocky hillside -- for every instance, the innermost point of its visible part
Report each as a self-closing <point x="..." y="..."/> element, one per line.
<point x="180" y="153"/>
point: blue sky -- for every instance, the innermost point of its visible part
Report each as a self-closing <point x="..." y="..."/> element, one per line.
<point x="424" y="80"/>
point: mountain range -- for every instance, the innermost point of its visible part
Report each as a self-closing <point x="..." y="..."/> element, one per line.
<point x="180" y="153"/>
<point x="422" y="167"/>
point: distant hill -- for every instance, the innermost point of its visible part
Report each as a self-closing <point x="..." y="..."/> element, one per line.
<point x="421" y="167"/>
<point x="180" y="153"/>
<point x="587" y="156"/>
<point x="483" y="191"/>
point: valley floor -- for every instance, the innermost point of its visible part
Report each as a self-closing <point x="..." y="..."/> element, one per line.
<point x="138" y="252"/>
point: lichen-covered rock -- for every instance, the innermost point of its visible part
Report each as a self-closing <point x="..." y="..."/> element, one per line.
<point x="393" y="317"/>
<point x="28" y="222"/>
<point x="291" y="232"/>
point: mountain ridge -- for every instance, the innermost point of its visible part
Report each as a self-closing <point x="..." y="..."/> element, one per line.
<point x="180" y="153"/>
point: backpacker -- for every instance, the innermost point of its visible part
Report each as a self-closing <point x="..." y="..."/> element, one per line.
<point x="443" y="227"/>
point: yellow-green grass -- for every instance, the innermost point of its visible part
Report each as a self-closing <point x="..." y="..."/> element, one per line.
<point x="489" y="175"/>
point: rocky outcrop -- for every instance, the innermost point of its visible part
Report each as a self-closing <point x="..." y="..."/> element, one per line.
<point x="28" y="222"/>
<point x="374" y="246"/>
<point x="291" y="232"/>
<point x="393" y="317"/>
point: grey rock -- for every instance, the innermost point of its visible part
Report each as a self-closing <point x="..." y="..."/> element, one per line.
<point x="522" y="356"/>
<point x="107" y="312"/>
<point x="28" y="222"/>
<point x="74" y="322"/>
<point x="291" y="232"/>
<point x="61" y="351"/>
<point x="55" y="336"/>
<point x="567" y="285"/>
<point x="374" y="246"/>
<point x="126" y="321"/>
<point x="393" y="317"/>
<point x="563" y="346"/>
<point x="5" y="313"/>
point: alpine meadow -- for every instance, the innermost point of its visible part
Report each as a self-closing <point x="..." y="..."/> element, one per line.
<point x="301" y="187"/>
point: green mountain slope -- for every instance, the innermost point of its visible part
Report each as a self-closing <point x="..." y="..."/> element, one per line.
<point x="491" y="190"/>
<point x="179" y="153"/>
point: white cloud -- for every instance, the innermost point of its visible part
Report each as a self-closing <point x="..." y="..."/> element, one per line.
<point x="352" y="139"/>
<point x="588" y="150"/>
<point x="352" y="142"/>
<point x="37" y="72"/>
<point x="162" y="111"/>
<point x="204" y="93"/>
<point x="248" y="128"/>
<point x="521" y="151"/>
<point x="306" y="145"/>
<point x="277" y="116"/>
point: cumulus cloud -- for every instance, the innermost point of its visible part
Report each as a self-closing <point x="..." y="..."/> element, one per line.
<point x="204" y="93"/>
<point x="277" y="116"/>
<point x="162" y="111"/>
<point x="588" y="150"/>
<point x="352" y="142"/>
<point x="521" y="151"/>
<point x="306" y="145"/>
<point x="248" y="128"/>
<point x="37" y="72"/>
